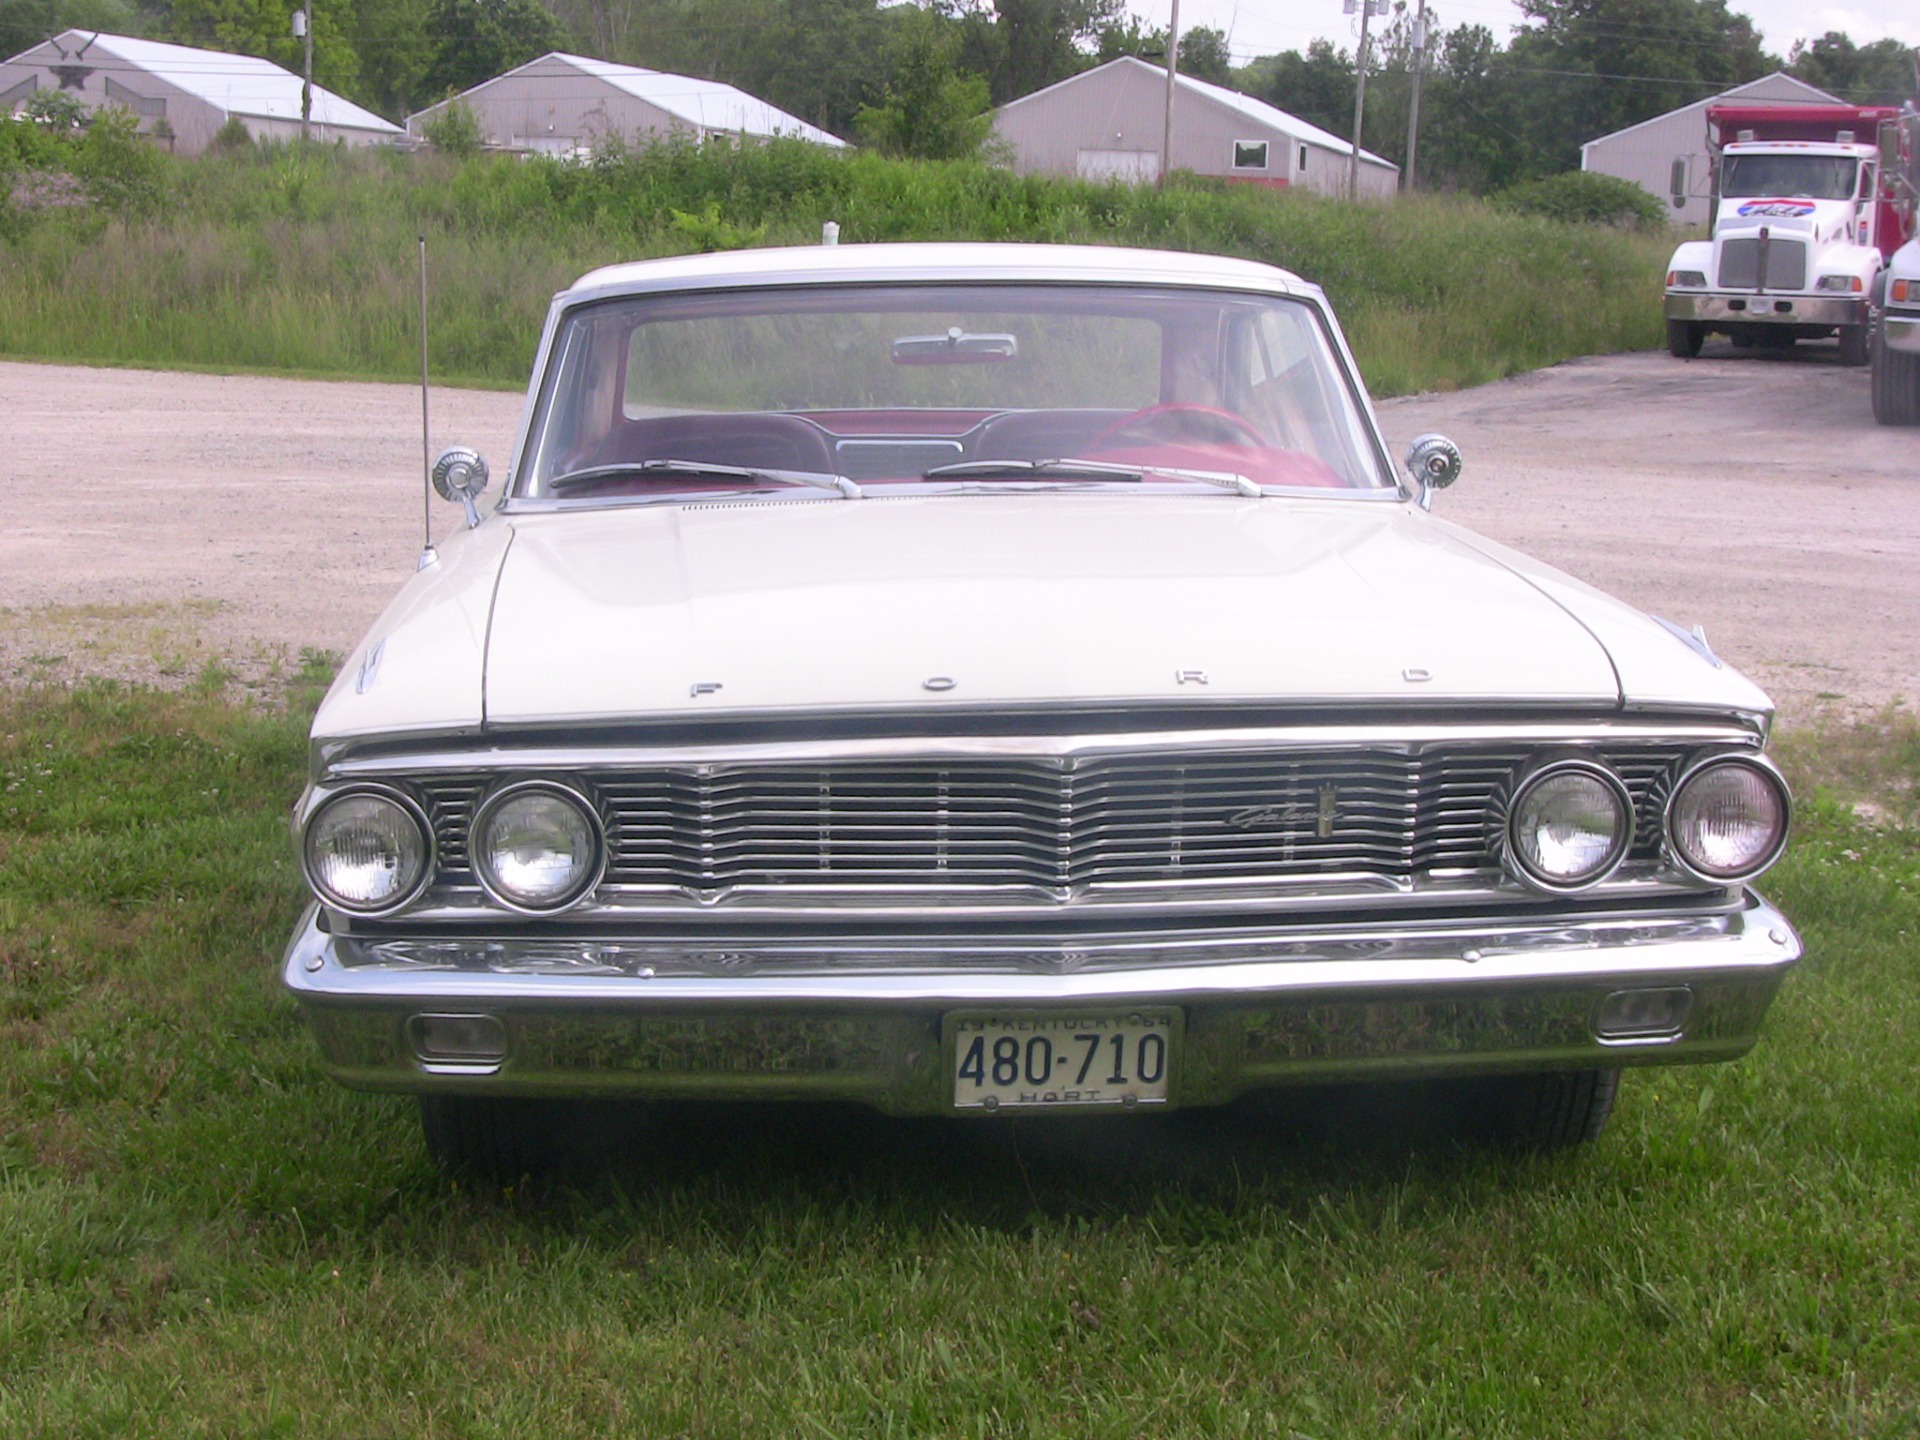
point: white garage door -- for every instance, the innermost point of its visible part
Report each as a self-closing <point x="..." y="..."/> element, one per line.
<point x="1136" y="167"/>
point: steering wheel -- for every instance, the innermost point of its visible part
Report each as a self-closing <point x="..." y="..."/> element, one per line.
<point x="1177" y="423"/>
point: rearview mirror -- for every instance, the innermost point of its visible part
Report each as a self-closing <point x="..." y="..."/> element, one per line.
<point x="460" y="474"/>
<point x="956" y="347"/>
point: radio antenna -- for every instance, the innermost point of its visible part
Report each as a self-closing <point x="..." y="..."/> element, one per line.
<point x="427" y="557"/>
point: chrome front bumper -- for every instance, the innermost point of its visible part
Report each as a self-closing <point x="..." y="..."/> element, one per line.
<point x="1769" y="309"/>
<point x="861" y="1019"/>
<point x="1902" y="330"/>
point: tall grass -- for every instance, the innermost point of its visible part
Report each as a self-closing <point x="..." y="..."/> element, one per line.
<point x="304" y="259"/>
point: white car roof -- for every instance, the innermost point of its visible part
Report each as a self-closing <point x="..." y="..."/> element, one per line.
<point x="825" y="264"/>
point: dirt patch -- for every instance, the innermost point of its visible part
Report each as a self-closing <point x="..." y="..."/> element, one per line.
<point x="157" y="524"/>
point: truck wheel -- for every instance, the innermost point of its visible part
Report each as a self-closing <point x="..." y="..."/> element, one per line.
<point x="1541" y="1112"/>
<point x="1684" y="337"/>
<point x="1853" y="344"/>
<point x="497" y="1139"/>
<point x="1896" y="383"/>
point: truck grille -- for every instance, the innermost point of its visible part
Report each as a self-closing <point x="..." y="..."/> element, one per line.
<point x="1786" y="264"/>
<point x="1053" y="824"/>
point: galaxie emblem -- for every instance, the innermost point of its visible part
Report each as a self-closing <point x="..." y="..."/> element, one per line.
<point x="1277" y="817"/>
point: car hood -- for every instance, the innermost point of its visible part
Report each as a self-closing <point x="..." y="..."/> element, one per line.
<point x="1046" y="599"/>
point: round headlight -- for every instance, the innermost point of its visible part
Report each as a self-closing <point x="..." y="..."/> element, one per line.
<point x="367" y="851"/>
<point x="1728" y="818"/>
<point x="1569" y="826"/>
<point x="537" y="847"/>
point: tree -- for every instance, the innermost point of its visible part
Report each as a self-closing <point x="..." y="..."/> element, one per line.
<point x="475" y="40"/>
<point x="1317" y="86"/>
<point x="1596" y="66"/>
<point x="1882" y="73"/>
<point x="930" y="110"/>
<point x="25" y="23"/>
<point x="1124" y="35"/>
<point x="1204" y="55"/>
<point x="1026" y="45"/>
<point x="264" y="28"/>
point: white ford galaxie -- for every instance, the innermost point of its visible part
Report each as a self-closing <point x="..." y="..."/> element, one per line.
<point x="999" y="680"/>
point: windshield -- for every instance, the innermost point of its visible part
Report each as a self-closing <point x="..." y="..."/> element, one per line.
<point x="958" y="385"/>
<point x="1808" y="177"/>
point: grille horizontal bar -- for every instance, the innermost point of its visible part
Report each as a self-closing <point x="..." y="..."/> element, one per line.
<point x="1150" y="819"/>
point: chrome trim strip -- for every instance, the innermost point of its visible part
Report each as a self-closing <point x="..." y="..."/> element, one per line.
<point x="778" y="905"/>
<point x="587" y="757"/>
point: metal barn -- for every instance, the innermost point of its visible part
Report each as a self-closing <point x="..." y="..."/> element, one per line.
<point x="183" y="93"/>
<point x="1107" y="123"/>
<point x="1673" y="147"/>
<point x="566" y="104"/>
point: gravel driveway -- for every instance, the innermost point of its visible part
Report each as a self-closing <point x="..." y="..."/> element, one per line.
<point x="159" y="522"/>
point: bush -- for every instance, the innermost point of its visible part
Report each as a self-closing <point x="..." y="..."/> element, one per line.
<point x="233" y="135"/>
<point x="1580" y="197"/>
<point x="455" y="130"/>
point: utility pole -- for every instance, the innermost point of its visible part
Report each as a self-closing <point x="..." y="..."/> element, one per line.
<point x="1359" y="100"/>
<point x="1173" y="66"/>
<point x="1413" y="109"/>
<point x="303" y="29"/>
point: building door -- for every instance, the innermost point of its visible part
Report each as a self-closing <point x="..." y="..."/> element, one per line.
<point x="1135" y="167"/>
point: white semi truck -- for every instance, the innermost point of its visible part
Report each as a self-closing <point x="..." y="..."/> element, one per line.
<point x="1896" y="339"/>
<point x="1807" y="208"/>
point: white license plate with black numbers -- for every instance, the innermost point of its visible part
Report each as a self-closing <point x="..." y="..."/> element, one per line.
<point x="1057" y="1062"/>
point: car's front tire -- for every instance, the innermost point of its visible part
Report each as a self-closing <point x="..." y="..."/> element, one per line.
<point x="1854" y="344"/>
<point x="1896" y="383"/>
<point x="1539" y="1112"/>
<point x="498" y="1139"/>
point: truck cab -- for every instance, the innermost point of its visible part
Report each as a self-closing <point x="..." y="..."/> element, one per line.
<point x="1803" y="223"/>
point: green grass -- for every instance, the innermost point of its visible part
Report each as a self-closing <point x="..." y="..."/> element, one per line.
<point x="305" y="261"/>
<point x="201" y="1237"/>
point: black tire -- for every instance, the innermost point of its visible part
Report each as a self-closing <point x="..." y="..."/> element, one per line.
<point x="1684" y="337"/>
<point x="1896" y="383"/>
<point x="1539" y="1112"/>
<point x="499" y="1139"/>
<point x="1853" y="344"/>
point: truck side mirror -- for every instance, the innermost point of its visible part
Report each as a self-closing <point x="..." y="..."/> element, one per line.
<point x="1677" y="182"/>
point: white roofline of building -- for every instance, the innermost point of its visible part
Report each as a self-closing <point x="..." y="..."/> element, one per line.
<point x="196" y="72"/>
<point x="1243" y="105"/>
<point x="1815" y="96"/>
<point x="609" y="73"/>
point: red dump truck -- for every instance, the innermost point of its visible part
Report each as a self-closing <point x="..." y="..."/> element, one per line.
<point x="1808" y="206"/>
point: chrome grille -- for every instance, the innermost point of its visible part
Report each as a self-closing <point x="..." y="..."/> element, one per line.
<point x="1159" y="819"/>
<point x="1786" y="264"/>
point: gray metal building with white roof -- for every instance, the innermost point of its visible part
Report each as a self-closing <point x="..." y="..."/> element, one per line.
<point x="1106" y="123"/>
<point x="183" y="92"/>
<point x="1656" y="152"/>
<point x="567" y="104"/>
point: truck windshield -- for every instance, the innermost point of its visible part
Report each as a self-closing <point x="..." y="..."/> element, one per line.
<point x="1809" y="177"/>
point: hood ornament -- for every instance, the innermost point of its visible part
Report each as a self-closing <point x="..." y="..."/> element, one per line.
<point x="939" y="682"/>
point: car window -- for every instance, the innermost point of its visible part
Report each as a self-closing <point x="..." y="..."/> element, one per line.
<point x="887" y="383"/>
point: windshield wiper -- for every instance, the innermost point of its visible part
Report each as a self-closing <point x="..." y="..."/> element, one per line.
<point x="699" y="470"/>
<point x="1092" y="470"/>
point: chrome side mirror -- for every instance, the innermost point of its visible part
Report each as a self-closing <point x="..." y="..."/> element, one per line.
<point x="1434" y="463"/>
<point x="460" y="474"/>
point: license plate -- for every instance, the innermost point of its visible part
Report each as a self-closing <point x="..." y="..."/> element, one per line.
<point x="1055" y="1062"/>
